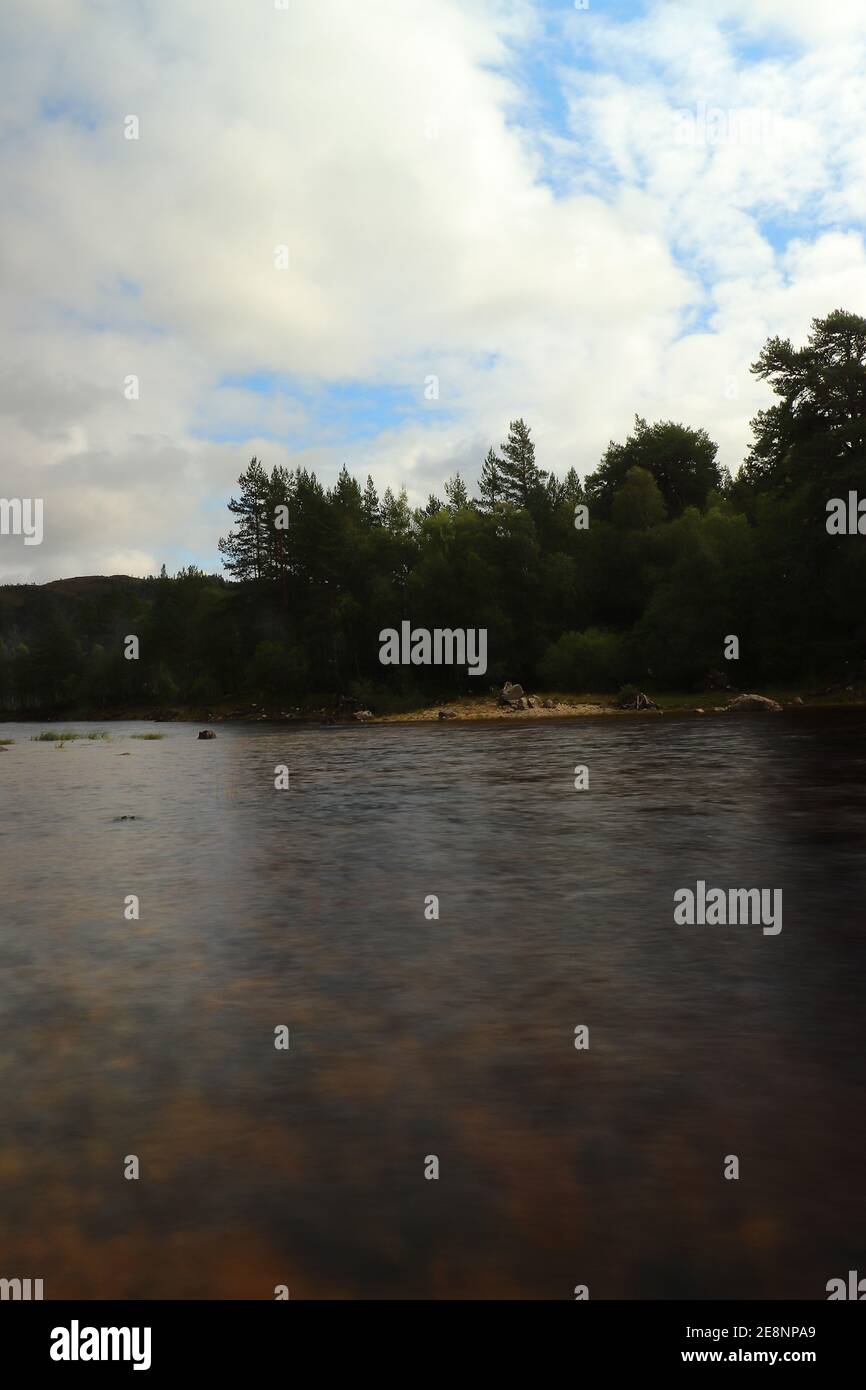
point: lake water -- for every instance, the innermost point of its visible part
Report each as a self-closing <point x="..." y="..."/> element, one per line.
<point x="413" y="1037"/>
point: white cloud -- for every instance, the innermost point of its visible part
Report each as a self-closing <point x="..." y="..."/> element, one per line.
<point x="387" y="146"/>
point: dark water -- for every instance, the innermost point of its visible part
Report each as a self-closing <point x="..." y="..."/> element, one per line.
<point x="412" y="1037"/>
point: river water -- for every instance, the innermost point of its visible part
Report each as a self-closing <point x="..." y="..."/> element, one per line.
<point x="412" y="1037"/>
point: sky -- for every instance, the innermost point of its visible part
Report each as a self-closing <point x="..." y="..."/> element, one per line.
<point x="325" y="232"/>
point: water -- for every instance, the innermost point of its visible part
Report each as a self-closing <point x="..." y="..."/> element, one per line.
<point x="412" y="1037"/>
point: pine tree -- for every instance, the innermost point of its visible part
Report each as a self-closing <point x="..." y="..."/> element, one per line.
<point x="490" y="483"/>
<point x="246" y="549"/>
<point x="347" y="492"/>
<point x="572" y="488"/>
<point x="370" y="504"/>
<point x="455" y="491"/>
<point x="396" y="516"/>
<point x="521" y="476"/>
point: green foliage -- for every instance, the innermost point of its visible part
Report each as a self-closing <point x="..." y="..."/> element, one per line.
<point x="681" y="460"/>
<point x="590" y="660"/>
<point x="638" y="503"/>
<point x="677" y="556"/>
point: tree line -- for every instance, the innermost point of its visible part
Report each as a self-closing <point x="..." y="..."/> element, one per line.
<point x="636" y="573"/>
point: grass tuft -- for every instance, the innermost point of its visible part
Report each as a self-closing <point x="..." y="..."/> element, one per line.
<point x="67" y="736"/>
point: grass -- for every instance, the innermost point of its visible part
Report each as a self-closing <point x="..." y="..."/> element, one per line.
<point x="5" y="742"/>
<point x="66" y="736"/>
<point x="147" y="737"/>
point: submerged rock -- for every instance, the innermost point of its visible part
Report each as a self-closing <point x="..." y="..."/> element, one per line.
<point x="207" y="733"/>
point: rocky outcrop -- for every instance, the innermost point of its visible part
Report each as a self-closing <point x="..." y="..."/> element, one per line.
<point x="511" y="695"/>
<point x="749" y="702"/>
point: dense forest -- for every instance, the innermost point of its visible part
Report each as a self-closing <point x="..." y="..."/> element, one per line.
<point x="636" y="573"/>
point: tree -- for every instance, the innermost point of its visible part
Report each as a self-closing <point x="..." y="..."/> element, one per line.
<point x="370" y="504"/>
<point x="638" y="504"/>
<point x="815" y="436"/>
<point x="455" y="491"/>
<point x="245" y="549"/>
<point x="347" y="492"/>
<point x="396" y="516"/>
<point x="682" y="461"/>
<point x="522" y="479"/>
<point x="490" y="487"/>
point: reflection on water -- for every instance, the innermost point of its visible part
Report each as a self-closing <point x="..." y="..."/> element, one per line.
<point x="412" y="1037"/>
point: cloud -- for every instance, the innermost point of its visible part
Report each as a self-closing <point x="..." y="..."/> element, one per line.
<point x="697" y="184"/>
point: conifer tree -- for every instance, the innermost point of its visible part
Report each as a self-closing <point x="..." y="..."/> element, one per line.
<point x="455" y="491"/>
<point x="370" y="504"/>
<point x="521" y="476"/>
<point x="490" y="483"/>
<point x="246" y="549"/>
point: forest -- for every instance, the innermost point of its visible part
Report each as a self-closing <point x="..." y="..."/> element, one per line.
<point x="635" y="574"/>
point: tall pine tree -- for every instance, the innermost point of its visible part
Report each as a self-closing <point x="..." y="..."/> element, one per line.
<point x="522" y="479"/>
<point x="490" y="483"/>
<point x="246" y="549"/>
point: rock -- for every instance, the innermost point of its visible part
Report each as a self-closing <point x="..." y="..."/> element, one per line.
<point x="362" y="715"/>
<point x="531" y="702"/>
<point x="699" y="711"/>
<point x="796" y="700"/>
<point x="447" y="714"/>
<point x="549" y="704"/>
<point x="748" y="702"/>
<point x="207" y="733"/>
<point x="521" y="704"/>
<point x="510" y="694"/>
<point x="638" y="701"/>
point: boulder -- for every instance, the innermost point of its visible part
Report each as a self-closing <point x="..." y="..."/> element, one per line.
<point x="549" y="704"/>
<point x="447" y="714"/>
<point x="748" y="702"/>
<point x="362" y="715"/>
<point x="207" y="733"/>
<point x="531" y="702"/>
<point x="510" y="694"/>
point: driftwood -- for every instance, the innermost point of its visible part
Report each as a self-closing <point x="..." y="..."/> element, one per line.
<point x="638" y="701"/>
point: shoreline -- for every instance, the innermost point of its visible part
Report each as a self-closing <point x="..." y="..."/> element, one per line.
<point x="461" y="711"/>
